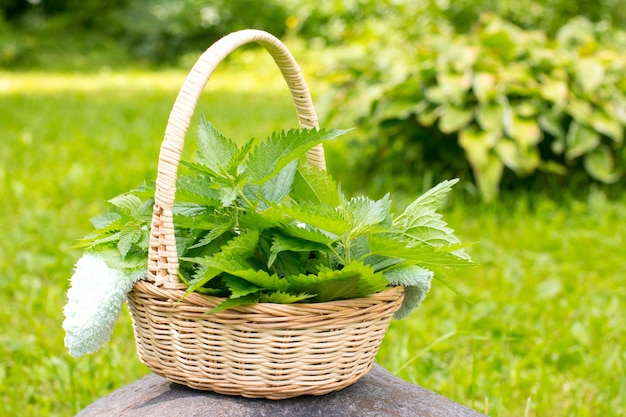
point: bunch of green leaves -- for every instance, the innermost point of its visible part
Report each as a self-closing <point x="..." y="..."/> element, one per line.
<point x="122" y="233"/>
<point x="500" y="101"/>
<point x="256" y="223"/>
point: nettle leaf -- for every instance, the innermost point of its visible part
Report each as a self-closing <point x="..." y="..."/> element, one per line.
<point x="304" y="231"/>
<point x="214" y="233"/>
<point x="364" y="212"/>
<point x="228" y="195"/>
<point x="239" y="287"/>
<point x="128" y="202"/>
<point x="332" y="285"/>
<point x="279" y="186"/>
<point x="106" y="220"/>
<point x="320" y="216"/>
<point x="380" y="263"/>
<point x="129" y="235"/>
<point x="197" y="190"/>
<point x="314" y="185"/>
<point x="240" y="156"/>
<point x="188" y="209"/>
<point x="420" y="253"/>
<point x="354" y="280"/>
<point x="413" y="297"/>
<point x="263" y="219"/>
<point x="202" y="221"/>
<point x="411" y="275"/>
<point x="416" y="282"/>
<point x="281" y="243"/>
<point x="243" y="244"/>
<point x="279" y="297"/>
<point x="269" y="157"/>
<point x="421" y="221"/>
<point x="133" y="260"/>
<point x="215" y="151"/>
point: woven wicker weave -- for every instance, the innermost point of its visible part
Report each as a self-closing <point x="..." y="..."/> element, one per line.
<point x="265" y="350"/>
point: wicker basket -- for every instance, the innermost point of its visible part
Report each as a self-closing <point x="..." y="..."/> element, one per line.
<point x="265" y="350"/>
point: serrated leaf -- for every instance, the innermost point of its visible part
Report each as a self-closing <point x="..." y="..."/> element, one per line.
<point x="263" y="219"/>
<point x="215" y="232"/>
<point x="97" y="239"/>
<point x="239" y="287"/>
<point x="425" y="206"/>
<point x="416" y="282"/>
<point x="240" y="156"/>
<point x="215" y="151"/>
<point x="128" y="236"/>
<point x="281" y="243"/>
<point x="188" y="209"/>
<point x="128" y="202"/>
<point x="313" y="185"/>
<point x="197" y="190"/>
<point x="105" y="220"/>
<point x="228" y="194"/>
<point x="279" y="297"/>
<point x="203" y="221"/>
<point x="306" y="232"/>
<point x="354" y="280"/>
<point x="132" y="262"/>
<point x="413" y="297"/>
<point x="411" y="275"/>
<point x="420" y="253"/>
<point x="334" y="285"/>
<point x="271" y="156"/>
<point x="279" y="186"/>
<point x="320" y="216"/>
<point x="364" y="212"/>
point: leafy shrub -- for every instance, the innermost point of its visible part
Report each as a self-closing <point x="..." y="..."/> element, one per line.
<point x="162" y="30"/>
<point x="334" y="21"/>
<point x="158" y="31"/>
<point x="499" y="97"/>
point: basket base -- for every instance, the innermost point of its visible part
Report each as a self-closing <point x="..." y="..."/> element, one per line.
<point x="266" y="350"/>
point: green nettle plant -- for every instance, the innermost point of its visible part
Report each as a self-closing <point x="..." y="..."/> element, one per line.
<point x="498" y="97"/>
<point x="255" y="223"/>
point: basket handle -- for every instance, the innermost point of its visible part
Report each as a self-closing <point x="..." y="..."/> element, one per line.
<point x="162" y="255"/>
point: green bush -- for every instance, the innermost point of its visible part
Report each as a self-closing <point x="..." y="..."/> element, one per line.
<point x="335" y="21"/>
<point x="498" y="97"/>
<point x="159" y="31"/>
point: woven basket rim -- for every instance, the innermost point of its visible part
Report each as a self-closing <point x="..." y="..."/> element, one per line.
<point x="202" y="300"/>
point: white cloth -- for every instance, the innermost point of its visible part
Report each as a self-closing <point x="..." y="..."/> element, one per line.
<point x="95" y="299"/>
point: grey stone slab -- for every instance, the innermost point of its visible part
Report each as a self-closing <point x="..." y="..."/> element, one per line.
<point x="379" y="393"/>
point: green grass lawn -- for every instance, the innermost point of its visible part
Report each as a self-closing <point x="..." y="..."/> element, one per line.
<point x="544" y="334"/>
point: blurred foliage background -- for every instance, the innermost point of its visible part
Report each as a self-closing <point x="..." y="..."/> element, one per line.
<point x="511" y="94"/>
<point x="525" y="101"/>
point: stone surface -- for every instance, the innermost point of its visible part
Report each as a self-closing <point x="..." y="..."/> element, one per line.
<point x="377" y="394"/>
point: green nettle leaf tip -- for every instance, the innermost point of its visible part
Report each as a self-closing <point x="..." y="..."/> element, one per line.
<point x="255" y="223"/>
